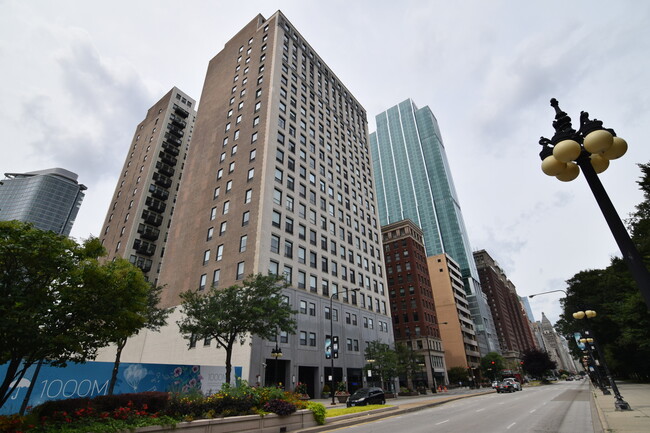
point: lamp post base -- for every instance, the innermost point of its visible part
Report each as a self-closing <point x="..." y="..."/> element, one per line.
<point x="621" y="404"/>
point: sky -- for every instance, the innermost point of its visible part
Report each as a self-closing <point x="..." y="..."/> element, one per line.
<point x="78" y="76"/>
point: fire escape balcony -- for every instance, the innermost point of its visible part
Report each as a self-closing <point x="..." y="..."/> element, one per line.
<point x="170" y="148"/>
<point x="165" y="169"/>
<point x="158" y="192"/>
<point x="178" y="121"/>
<point x="148" y="232"/>
<point x="152" y="218"/>
<point x="168" y="159"/>
<point x="173" y="140"/>
<point x="144" y="247"/>
<point x="155" y="205"/>
<point x="181" y="112"/>
<point x="175" y="131"/>
<point x="162" y="180"/>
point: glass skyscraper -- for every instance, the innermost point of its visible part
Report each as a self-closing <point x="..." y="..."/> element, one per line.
<point x="49" y="199"/>
<point x="413" y="180"/>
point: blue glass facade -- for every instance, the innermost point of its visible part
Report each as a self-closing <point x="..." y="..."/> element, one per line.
<point x="413" y="180"/>
<point x="49" y="199"/>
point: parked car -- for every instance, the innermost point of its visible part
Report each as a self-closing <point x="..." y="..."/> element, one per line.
<point x="515" y="383"/>
<point x="505" y="387"/>
<point x="494" y="384"/>
<point x="366" y="396"/>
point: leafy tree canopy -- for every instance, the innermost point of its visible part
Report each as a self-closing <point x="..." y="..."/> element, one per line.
<point x="384" y="363"/>
<point x="232" y="314"/>
<point x="492" y="364"/>
<point x="458" y="374"/>
<point x="537" y="363"/>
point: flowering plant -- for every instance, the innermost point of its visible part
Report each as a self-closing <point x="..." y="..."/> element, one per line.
<point x="301" y="388"/>
<point x="341" y="388"/>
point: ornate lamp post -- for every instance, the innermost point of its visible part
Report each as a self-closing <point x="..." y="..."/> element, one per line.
<point x="590" y="149"/>
<point x="588" y="345"/>
<point x="620" y="404"/>
<point x="332" y="337"/>
<point x="275" y="354"/>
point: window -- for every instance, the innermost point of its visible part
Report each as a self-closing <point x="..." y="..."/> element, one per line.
<point x="228" y="186"/>
<point x="215" y="277"/>
<point x="277" y="196"/>
<point x="242" y="243"/>
<point x="226" y="207"/>
<point x="328" y="314"/>
<point x="303" y="338"/>
<point x="202" y="281"/>
<point x="206" y="256"/>
<point x="274" y="267"/>
<point x="245" y="218"/>
<point x="213" y="213"/>
<point x="288" y="248"/>
<point x="210" y="234"/>
<point x="303" y="307"/>
<point x="240" y="271"/>
<point x="220" y="252"/>
<point x="248" y="196"/>
<point x="251" y="174"/>
<point x="312" y="309"/>
<point x="276" y="219"/>
<point x="252" y="155"/>
<point x="275" y="244"/>
<point x="222" y="228"/>
<point x="231" y="167"/>
<point x="312" y="339"/>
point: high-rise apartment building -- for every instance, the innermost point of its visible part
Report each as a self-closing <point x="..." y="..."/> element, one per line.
<point x="139" y="217"/>
<point x="412" y="303"/>
<point x="49" y="199"/>
<point x="278" y="179"/>
<point x="510" y="318"/>
<point x="414" y="181"/>
<point x="454" y="316"/>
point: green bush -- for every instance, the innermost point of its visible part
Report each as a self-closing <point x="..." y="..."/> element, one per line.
<point x="280" y="407"/>
<point x="318" y="410"/>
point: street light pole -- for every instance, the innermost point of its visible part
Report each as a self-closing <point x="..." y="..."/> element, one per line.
<point x="332" y="338"/>
<point x="550" y="291"/>
<point x="620" y="404"/>
<point x="590" y="149"/>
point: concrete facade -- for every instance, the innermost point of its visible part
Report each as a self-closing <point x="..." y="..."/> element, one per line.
<point x="454" y="316"/>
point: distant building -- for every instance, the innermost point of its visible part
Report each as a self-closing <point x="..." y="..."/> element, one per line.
<point x="512" y="325"/>
<point x="529" y="311"/>
<point x="412" y="303"/>
<point x="413" y="180"/>
<point x="556" y="346"/>
<point x="454" y="317"/>
<point x="49" y="199"/>
<point x="141" y="209"/>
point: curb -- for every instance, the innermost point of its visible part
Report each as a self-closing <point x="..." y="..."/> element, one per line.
<point x="356" y="418"/>
<point x="601" y="416"/>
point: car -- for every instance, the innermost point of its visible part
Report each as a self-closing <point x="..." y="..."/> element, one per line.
<point x="515" y="383"/>
<point x="505" y="387"/>
<point x="366" y="396"/>
<point x="494" y="384"/>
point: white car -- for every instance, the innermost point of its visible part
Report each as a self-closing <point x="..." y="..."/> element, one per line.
<point x="515" y="383"/>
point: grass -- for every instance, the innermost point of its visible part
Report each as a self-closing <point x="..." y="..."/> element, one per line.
<point x="354" y="409"/>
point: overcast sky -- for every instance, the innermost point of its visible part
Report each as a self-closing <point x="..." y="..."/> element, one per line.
<point x="78" y="76"/>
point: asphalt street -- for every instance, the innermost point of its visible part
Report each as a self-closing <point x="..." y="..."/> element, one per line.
<point x="564" y="408"/>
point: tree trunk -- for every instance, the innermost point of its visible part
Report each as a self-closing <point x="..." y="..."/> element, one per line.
<point x="228" y="348"/>
<point x="116" y="365"/>
<point x="5" y="387"/>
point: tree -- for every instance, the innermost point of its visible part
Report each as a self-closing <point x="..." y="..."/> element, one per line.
<point x="537" y="363"/>
<point x="134" y="303"/>
<point x="408" y="362"/>
<point x="457" y="375"/>
<point x="232" y="314"/>
<point x="492" y="364"/>
<point x="48" y="301"/>
<point x="384" y="362"/>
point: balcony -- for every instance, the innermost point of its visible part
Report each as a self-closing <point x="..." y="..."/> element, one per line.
<point x="173" y="140"/>
<point x="155" y="205"/>
<point x="178" y="121"/>
<point x="181" y="112"/>
<point x="148" y="232"/>
<point x="176" y="131"/>
<point x="152" y="218"/>
<point x="161" y="180"/>
<point x="170" y="148"/>
<point x="165" y="169"/>
<point x="168" y="159"/>
<point x="144" y="247"/>
<point x="158" y="192"/>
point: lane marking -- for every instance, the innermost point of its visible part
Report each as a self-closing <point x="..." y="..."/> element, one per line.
<point x="533" y="410"/>
<point x="508" y="428"/>
<point x="480" y="410"/>
<point x="442" y="422"/>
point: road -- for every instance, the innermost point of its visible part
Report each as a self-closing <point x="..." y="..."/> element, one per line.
<point x="560" y="408"/>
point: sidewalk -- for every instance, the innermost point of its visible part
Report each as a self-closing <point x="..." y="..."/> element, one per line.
<point x="637" y="420"/>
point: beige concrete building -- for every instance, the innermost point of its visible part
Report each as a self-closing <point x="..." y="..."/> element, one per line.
<point x="456" y="327"/>
<point x="278" y="179"/>
<point x="137" y="223"/>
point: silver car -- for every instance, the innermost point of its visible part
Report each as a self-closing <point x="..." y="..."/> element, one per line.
<point x="515" y="383"/>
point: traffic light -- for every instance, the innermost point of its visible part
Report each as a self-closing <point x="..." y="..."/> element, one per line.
<point x="492" y="362"/>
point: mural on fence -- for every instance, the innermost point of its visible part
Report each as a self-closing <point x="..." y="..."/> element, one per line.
<point x="92" y="379"/>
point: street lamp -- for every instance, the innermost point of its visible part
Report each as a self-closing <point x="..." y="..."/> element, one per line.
<point x="587" y="342"/>
<point x="332" y="337"/>
<point x="550" y="291"/>
<point x="275" y="354"/>
<point x="590" y="149"/>
<point x="619" y="404"/>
